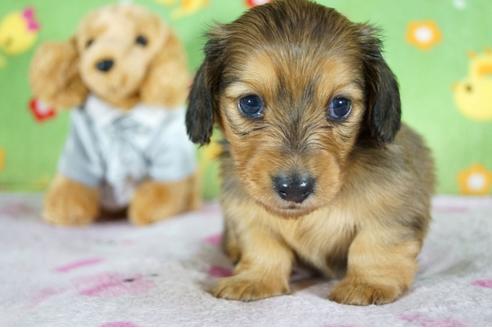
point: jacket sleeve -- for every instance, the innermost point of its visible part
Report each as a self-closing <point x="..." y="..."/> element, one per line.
<point x="80" y="159"/>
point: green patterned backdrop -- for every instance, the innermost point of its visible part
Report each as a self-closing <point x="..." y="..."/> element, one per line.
<point x="439" y="49"/>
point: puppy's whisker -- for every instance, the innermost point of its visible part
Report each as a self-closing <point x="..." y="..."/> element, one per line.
<point x="256" y="129"/>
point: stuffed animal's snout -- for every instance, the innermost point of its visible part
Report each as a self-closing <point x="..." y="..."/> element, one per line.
<point x="105" y="65"/>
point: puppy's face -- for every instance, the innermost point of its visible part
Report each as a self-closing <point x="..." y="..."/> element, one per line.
<point x="295" y="87"/>
<point x="116" y="46"/>
<point x="291" y="121"/>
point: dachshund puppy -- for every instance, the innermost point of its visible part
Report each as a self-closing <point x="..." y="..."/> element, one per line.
<point x="317" y="167"/>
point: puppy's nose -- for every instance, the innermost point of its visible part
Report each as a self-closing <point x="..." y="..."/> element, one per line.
<point x="105" y="65"/>
<point x="293" y="188"/>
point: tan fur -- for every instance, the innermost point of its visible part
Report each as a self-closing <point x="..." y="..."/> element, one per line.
<point x="356" y="232"/>
<point x="167" y="82"/>
<point x="63" y="73"/>
<point x="70" y="203"/>
<point x="154" y="200"/>
<point x="367" y="218"/>
<point x="54" y="74"/>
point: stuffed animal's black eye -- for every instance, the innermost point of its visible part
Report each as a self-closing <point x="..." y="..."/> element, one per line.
<point x="89" y="42"/>
<point x="251" y="106"/>
<point x="141" y="40"/>
<point x="339" y="108"/>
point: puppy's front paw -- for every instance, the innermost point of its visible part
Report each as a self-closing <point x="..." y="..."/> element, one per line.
<point x="249" y="289"/>
<point x="361" y="293"/>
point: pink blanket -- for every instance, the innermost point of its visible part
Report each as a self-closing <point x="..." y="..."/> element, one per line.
<point x="114" y="274"/>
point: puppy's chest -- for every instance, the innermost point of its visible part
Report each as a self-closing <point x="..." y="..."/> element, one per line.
<point x="321" y="239"/>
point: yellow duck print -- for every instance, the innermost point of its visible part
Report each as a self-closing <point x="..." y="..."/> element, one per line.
<point x="18" y="32"/>
<point x="186" y="7"/>
<point x="473" y="95"/>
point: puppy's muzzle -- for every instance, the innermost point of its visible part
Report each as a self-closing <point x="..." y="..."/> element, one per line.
<point x="294" y="187"/>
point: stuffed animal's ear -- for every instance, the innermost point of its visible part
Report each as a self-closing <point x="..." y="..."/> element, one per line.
<point x="167" y="81"/>
<point x="54" y="75"/>
<point x="383" y="114"/>
<point x="203" y="106"/>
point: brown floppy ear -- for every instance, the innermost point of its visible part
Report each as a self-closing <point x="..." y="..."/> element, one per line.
<point x="168" y="78"/>
<point x="383" y="115"/>
<point x="54" y="75"/>
<point x="203" y="104"/>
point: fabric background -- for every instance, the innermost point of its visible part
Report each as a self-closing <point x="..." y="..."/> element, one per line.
<point x="432" y="46"/>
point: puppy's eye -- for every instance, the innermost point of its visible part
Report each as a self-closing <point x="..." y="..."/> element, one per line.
<point x="339" y="108"/>
<point x="251" y="106"/>
<point x="88" y="43"/>
<point x="141" y="40"/>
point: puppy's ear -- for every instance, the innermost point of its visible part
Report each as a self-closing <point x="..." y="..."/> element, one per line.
<point x="54" y="75"/>
<point x="201" y="108"/>
<point x="203" y="104"/>
<point x="383" y="115"/>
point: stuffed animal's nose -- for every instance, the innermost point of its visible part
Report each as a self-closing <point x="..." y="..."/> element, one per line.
<point x="294" y="188"/>
<point x="105" y="65"/>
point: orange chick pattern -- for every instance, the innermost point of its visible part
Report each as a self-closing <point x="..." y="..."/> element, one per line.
<point x="423" y="34"/>
<point x="476" y="180"/>
<point x="185" y="8"/>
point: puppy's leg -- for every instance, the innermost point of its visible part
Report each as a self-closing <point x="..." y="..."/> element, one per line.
<point x="230" y="243"/>
<point x="70" y="203"/>
<point x="263" y="270"/>
<point x="379" y="270"/>
<point x="154" y="201"/>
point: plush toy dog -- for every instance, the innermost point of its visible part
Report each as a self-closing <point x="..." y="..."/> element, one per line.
<point x="124" y="73"/>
